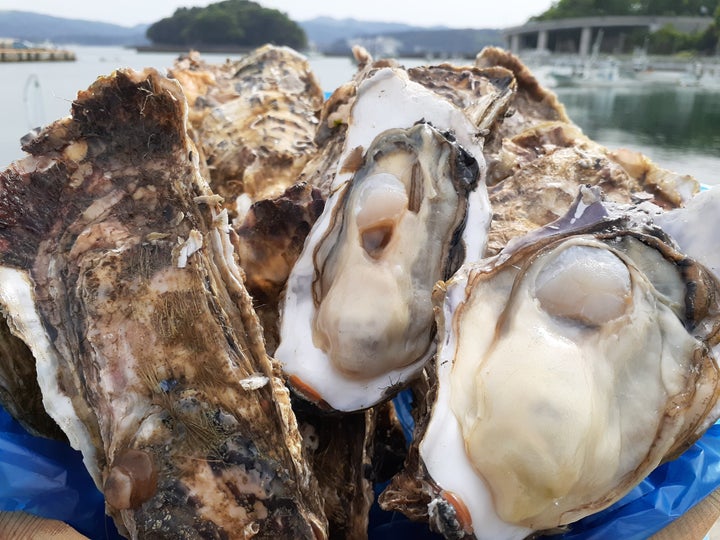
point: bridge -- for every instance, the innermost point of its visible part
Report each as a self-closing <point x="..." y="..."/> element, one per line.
<point x="576" y="35"/>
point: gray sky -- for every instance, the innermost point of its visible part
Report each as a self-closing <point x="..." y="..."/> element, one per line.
<point x="452" y="13"/>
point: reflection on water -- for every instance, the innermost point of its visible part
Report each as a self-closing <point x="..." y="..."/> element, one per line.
<point x="679" y="127"/>
<point x="682" y="118"/>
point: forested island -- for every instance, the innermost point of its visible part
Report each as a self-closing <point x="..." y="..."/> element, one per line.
<point x="230" y="23"/>
<point x="666" y="40"/>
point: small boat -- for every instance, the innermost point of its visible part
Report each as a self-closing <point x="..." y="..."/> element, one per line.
<point x="592" y="73"/>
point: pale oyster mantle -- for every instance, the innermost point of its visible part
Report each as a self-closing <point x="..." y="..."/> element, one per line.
<point x="407" y="205"/>
<point x="118" y="272"/>
<point x="595" y="322"/>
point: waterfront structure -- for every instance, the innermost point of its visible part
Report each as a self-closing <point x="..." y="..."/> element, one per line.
<point x="576" y="35"/>
<point x="15" y="50"/>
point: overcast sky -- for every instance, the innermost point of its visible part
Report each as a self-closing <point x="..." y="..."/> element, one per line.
<point x="453" y="13"/>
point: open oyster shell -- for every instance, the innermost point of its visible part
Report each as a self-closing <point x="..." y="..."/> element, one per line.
<point x="569" y="366"/>
<point x="407" y="206"/>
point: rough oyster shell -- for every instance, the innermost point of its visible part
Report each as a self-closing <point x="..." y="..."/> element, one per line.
<point x="254" y="120"/>
<point x="269" y="242"/>
<point x="537" y="159"/>
<point x="119" y="274"/>
<point x="569" y="367"/>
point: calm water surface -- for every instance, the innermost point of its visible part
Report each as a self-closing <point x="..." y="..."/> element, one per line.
<point x="679" y="128"/>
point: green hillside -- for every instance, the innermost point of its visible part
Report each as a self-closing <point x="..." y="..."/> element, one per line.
<point x="238" y="23"/>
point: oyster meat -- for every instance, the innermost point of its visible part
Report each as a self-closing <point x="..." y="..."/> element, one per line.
<point x="118" y="271"/>
<point x="407" y="206"/>
<point x="569" y="366"/>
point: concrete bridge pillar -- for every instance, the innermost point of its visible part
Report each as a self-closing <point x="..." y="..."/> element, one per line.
<point x="585" y="39"/>
<point x="542" y="41"/>
<point x="515" y="43"/>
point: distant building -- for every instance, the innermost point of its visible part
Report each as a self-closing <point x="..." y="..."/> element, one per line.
<point x="576" y="35"/>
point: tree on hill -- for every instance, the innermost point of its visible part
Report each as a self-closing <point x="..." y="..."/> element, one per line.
<point x="240" y="23"/>
<point x="563" y="9"/>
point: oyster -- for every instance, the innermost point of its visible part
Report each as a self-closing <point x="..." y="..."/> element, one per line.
<point x="537" y="159"/>
<point x="407" y="206"/>
<point x="482" y="94"/>
<point x="339" y="449"/>
<point x="532" y="105"/>
<point x="118" y="272"/>
<point x="569" y="366"/>
<point x="254" y="120"/>
<point x="269" y="241"/>
<point x="694" y="228"/>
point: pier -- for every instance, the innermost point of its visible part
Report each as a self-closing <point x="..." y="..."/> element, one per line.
<point x="576" y="35"/>
<point x="36" y="55"/>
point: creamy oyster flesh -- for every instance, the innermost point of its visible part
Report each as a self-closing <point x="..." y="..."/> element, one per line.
<point x="611" y="358"/>
<point x="118" y="272"/>
<point x="364" y="288"/>
<point x="442" y="447"/>
<point x="387" y="254"/>
<point x="388" y="99"/>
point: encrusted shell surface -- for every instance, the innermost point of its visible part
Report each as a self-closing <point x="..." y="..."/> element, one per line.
<point x="254" y="120"/>
<point x="119" y="274"/>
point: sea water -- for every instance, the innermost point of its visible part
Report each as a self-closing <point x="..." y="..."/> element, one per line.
<point x="677" y="127"/>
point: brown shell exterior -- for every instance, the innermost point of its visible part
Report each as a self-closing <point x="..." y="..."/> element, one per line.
<point x="254" y="120"/>
<point x="161" y="350"/>
<point x="538" y="158"/>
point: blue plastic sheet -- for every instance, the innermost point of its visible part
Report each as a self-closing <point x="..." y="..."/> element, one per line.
<point x="47" y="478"/>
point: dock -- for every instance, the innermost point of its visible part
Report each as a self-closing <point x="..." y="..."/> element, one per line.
<point x="36" y="55"/>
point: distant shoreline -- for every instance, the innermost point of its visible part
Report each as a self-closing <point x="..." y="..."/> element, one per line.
<point x="245" y="50"/>
<point x="229" y="49"/>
